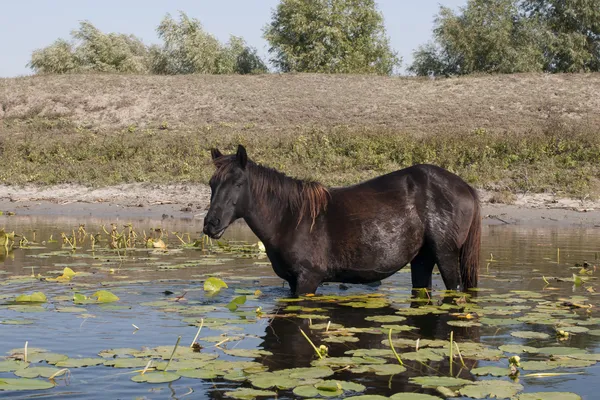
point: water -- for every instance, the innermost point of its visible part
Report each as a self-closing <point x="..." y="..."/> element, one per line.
<point x="513" y="259"/>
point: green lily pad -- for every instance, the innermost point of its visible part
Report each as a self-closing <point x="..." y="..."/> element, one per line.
<point x="249" y="394"/>
<point x="494" y="371"/>
<point x="34" y="372"/>
<point x="530" y="335"/>
<point x="80" y="362"/>
<point x="517" y="349"/>
<point x="435" y="381"/>
<point x="213" y="284"/>
<point x="126" y="363"/>
<point x="560" y="351"/>
<point x="413" y="396"/>
<point x="549" y="396"/>
<point x="379" y="369"/>
<point x="463" y="324"/>
<point x="196" y="373"/>
<point x="12" y="365"/>
<point x="386" y="318"/>
<point x="156" y="377"/>
<point x="250" y="353"/>
<point x="491" y="388"/>
<point x="368" y="397"/>
<point x="10" y="384"/>
<point x="306" y="391"/>
<point x="498" y="321"/>
<point x="17" y="322"/>
<point x="104" y="296"/>
<point x="309" y="373"/>
<point x="558" y="363"/>
<point x="236" y="302"/>
<point x="270" y="380"/>
<point x="37" y="297"/>
<point x="575" y="329"/>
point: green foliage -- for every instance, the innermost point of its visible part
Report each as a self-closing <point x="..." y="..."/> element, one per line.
<point x="486" y="36"/>
<point x="92" y="50"/>
<point x="331" y="36"/>
<point x="187" y="49"/>
<point x="571" y="33"/>
<point x="508" y="36"/>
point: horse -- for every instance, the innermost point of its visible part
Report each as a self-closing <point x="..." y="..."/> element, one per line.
<point x="423" y="215"/>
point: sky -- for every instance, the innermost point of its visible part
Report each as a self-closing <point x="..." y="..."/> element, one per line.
<point x="27" y="25"/>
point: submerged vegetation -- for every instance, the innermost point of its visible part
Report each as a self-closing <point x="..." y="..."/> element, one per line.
<point x="250" y="340"/>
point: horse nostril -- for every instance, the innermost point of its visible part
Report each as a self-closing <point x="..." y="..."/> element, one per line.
<point x="217" y="221"/>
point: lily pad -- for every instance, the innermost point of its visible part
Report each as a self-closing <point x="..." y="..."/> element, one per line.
<point x="104" y="296"/>
<point x="37" y="297"/>
<point x="379" y="369"/>
<point x="414" y="396"/>
<point x="196" y="373"/>
<point x="386" y="318"/>
<point x="80" y="362"/>
<point x="435" y="381"/>
<point x="517" y="349"/>
<point x="491" y="388"/>
<point x="10" y="384"/>
<point x="34" y="372"/>
<point x="530" y="335"/>
<point x="549" y="396"/>
<point x="12" y="365"/>
<point x="494" y="371"/>
<point x="213" y="284"/>
<point x="249" y="394"/>
<point x="156" y="377"/>
<point x="126" y="363"/>
<point x="250" y="353"/>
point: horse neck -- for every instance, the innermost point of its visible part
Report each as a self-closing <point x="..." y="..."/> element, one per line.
<point x="265" y="217"/>
<point x="268" y="214"/>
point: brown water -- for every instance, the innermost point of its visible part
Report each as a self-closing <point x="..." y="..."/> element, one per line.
<point x="513" y="259"/>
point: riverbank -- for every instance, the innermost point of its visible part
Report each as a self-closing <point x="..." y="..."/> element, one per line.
<point x="157" y="202"/>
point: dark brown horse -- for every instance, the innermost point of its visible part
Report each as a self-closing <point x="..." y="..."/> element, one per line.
<point x="423" y="214"/>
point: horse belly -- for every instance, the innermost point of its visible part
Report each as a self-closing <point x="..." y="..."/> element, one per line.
<point x="385" y="247"/>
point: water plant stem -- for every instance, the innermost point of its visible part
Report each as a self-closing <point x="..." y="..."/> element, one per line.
<point x="311" y="343"/>
<point x="393" y="349"/>
<point x="451" y="350"/>
<point x="173" y="353"/>
<point x="198" y="333"/>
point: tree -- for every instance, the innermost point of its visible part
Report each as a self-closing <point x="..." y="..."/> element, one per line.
<point x="571" y="32"/>
<point x="331" y="36"/>
<point x="486" y="36"/>
<point x="189" y="49"/>
<point x="92" y="50"/>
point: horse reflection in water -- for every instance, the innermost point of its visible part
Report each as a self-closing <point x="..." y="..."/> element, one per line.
<point x="291" y="350"/>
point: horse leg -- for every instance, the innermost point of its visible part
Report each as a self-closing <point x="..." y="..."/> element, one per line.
<point x="421" y="268"/>
<point x="448" y="264"/>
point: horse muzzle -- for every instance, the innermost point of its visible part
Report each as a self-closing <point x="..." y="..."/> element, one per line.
<point x="213" y="232"/>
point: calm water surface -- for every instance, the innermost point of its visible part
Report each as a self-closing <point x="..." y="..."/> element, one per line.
<point x="513" y="259"/>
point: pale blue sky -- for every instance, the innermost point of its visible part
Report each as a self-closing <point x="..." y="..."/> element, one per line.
<point x="27" y="25"/>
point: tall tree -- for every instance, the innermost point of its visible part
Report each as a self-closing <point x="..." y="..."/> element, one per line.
<point x="571" y="31"/>
<point x="484" y="36"/>
<point x="189" y="49"/>
<point x="331" y="36"/>
<point x="92" y="50"/>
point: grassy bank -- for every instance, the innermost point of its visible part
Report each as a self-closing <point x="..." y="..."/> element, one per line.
<point x="507" y="133"/>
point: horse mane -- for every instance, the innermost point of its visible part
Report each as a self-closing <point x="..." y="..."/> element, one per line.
<point x="304" y="198"/>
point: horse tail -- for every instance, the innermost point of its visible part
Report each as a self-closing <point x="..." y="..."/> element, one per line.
<point x="469" y="252"/>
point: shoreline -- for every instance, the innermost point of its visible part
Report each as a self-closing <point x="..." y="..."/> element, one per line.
<point x="190" y="202"/>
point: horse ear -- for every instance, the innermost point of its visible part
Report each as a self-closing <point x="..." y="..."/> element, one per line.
<point x="215" y="153"/>
<point x="241" y="156"/>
